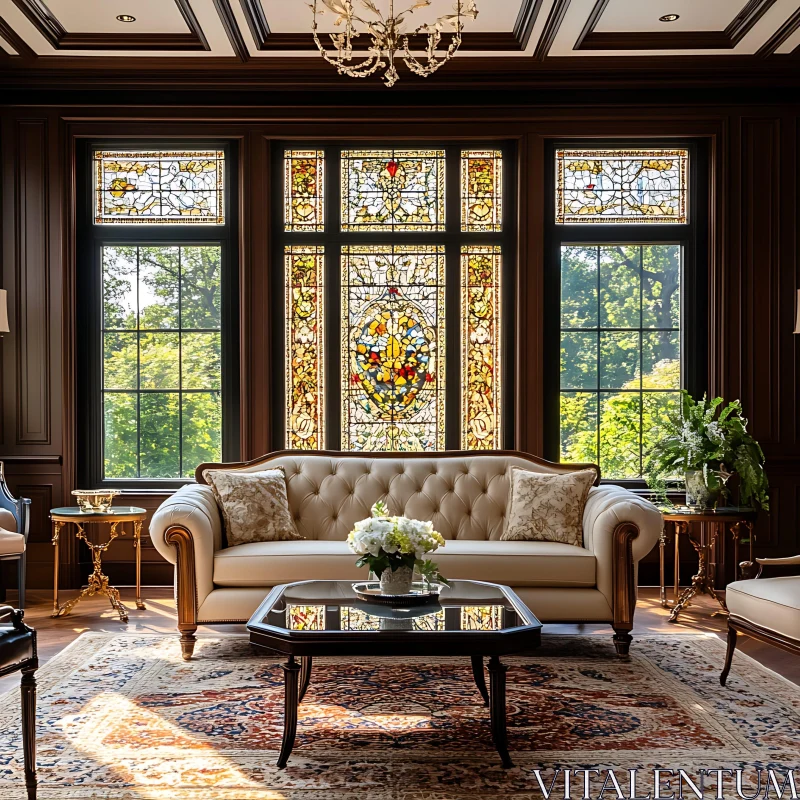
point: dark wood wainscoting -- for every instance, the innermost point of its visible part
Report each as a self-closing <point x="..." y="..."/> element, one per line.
<point x="754" y="212"/>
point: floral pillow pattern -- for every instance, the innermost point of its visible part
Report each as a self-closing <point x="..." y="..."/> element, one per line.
<point x="255" y="505"/>
<point x="547" y="508"/>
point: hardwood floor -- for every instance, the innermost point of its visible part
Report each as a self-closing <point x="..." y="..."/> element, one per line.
<point x="95" y="614"/>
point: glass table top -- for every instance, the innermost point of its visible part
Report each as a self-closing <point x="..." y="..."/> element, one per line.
<point x="114" y="511"/>
<point x="327" y="606"/>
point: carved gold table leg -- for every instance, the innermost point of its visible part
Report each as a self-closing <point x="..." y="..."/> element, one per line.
<point x="137" y="544"/>
<point x="662" y="543"/>
<point x="676" y="586"/>
<point x="57" y="526"/>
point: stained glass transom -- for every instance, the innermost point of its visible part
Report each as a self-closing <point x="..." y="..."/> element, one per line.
<point x="393" y="337"/>
<point x="305" y="618"/>
<point x="305" y="268"/>
<point x="621" y="186"/>
<point x="481" y="190"/>
<point x="401" y="190"/>
<point x="159" y="186"/>
<point x="304" y="187"/>
<point x="481" y="342"/>
<point x="481" y="618"/>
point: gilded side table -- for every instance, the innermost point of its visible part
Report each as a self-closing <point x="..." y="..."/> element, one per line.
<point x="98" y="582"/>
<point x="714" y="522"/>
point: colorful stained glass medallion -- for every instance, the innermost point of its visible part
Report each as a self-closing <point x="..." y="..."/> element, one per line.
<point x="481" y="190"/>
<point x="305" y="618"/>
<point x="481" y="343"/>
<point x="393" y="335"/>
<point x="304" y="184"/>
<point x="481" y="618"/>
<point x="401" y="190"/>
<point x="356" y="619"/>
<point x="159" y="186"/>
<point x="304" y="266"/>
<point x="621" y="186"/>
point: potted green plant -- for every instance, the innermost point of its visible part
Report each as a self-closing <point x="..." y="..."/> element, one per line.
<point x="707" y="443"/>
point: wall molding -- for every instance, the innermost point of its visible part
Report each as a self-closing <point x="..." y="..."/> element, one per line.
<point x="48" y="25"/>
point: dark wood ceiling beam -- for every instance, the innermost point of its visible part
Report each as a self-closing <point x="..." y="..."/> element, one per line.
<point x="551" y="28"/>
<point x="783" y="34"/>
<point x="232" y="29"/>
<point x="16" y="41"/>
<point x="727" y="39"/>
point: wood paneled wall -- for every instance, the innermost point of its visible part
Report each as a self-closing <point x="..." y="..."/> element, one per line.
<point x="753" y="272"/>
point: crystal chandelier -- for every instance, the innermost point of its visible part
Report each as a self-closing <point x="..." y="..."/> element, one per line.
<point x="390" y="38"/>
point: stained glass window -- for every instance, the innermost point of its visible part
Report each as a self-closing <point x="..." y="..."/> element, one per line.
<point x="162" y="355"/>
<point x="305" y="618"/>
<point x="620" y="351"/>
<point x="159" y="186"/>
<point x="481" y="338"/>
<point x="481" y="618"/>
<point x="304" y="267"/>
<point x="355" y="619"/>
<point x="399" y="190"/>
<point x="481" y="190"/>
<point x="304" y="187"/>
<point x="393" y="339"/>
<point x="613" y="186"/>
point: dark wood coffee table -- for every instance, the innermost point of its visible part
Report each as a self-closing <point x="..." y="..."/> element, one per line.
<point x="325" y="618"/>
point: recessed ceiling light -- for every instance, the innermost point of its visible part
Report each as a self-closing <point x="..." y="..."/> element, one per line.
<point x="665" y="18"/>
<point x="126" y="18"/>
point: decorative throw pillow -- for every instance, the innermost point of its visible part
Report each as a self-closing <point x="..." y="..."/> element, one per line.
<point x="547" y="507"/>
<point x="254" y="505"/>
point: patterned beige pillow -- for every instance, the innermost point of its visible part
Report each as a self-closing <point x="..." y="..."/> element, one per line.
<point x="254" y="505"/>
<point x="546" y="507"/>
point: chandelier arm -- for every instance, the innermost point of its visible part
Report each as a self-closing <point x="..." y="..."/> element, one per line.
<point x="432" y="63"/>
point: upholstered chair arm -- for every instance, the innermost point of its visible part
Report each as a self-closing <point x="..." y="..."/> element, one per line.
<point x="620" y="528"/>
<point x="751" y="570"/>
<point x="12" y="615"/>
<point x="187" y="530"/>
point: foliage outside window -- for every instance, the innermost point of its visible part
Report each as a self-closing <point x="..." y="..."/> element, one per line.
<point x="378" y="225"/>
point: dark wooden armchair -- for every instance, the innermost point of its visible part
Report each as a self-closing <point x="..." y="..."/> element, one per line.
<point x="14" y="529"/>
<point x="18" y="654"/>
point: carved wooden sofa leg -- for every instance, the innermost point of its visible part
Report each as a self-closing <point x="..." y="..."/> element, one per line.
<point x="186" y="589"/>
<point x="624" y="585"/>
<point x="732" y="636"/>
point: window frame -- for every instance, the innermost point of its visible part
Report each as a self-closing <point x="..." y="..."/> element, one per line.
<point x="693" y="237"/>
<point x="91" y="238"/>
<point x="452" y="238"/>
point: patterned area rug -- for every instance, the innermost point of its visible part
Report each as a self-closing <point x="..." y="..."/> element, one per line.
<point x="124" y="717"/>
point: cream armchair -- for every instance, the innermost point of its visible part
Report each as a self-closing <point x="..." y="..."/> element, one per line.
<point x="464" y="494"/>
<point x="767" y="609"/>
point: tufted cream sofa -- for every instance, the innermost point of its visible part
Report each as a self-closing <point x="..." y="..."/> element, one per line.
<point x="464" y="494"/>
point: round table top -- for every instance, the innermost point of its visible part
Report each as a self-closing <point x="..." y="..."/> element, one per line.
<point x="113" y="513"/>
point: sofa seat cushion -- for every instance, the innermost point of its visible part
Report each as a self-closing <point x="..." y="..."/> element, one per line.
<point x="771" y="603"/>
<point x="512" y="563"/>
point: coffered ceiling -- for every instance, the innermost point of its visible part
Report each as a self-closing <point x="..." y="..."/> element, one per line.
<point x="37" y="33"/>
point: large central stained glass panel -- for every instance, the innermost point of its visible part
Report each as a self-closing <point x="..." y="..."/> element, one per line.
<point x="393" y="337"/>
<point x="400" y="190"/>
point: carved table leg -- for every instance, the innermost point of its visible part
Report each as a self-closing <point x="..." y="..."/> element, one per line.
<point x="497" y="709"/>
<point x="480" y="678"/>
<point x="305" y="677"/>
<point x="698" y="581"/>
<point x="291" y="675"/>
<point x="676" y="586"/>
<point x="137" y="544"/>
<point x="662" y="543"/>
<point x="57" y="526"/>
<point x="728" y="655"/>
<point x="28" y="691"/>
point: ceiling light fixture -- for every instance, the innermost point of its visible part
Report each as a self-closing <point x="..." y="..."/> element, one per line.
<point x="126" y="18"/>
<point x="390" y="38"/>
<point x="669" y="17"/>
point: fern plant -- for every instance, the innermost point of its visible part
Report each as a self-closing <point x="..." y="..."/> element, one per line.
<point x="710" y="436"/>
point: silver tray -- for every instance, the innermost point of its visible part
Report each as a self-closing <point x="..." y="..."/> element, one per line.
<point x="421" y="594"/>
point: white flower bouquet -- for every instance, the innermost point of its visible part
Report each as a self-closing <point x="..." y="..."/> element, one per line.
<point x="392" y="547"/>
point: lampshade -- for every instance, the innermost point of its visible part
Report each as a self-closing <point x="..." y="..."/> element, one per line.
<point x="3" y="311"/>
<point x="797" y="321"/>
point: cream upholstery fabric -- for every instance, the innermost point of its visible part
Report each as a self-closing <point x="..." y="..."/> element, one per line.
<point x="11" y="543"/>
<point x="465" y="497"/>
<point x="8" y="522"/>
<point x="512" y="563"/>
<point x="772" y="603"/>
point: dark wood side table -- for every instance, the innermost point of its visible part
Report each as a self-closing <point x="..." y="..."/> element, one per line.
<point x="98" y="582"/>
<point x="713" y="524"/>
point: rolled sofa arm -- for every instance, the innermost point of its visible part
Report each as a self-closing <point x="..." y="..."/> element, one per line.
<point x="187" y="530"/>
<point x="620" y="528"/>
